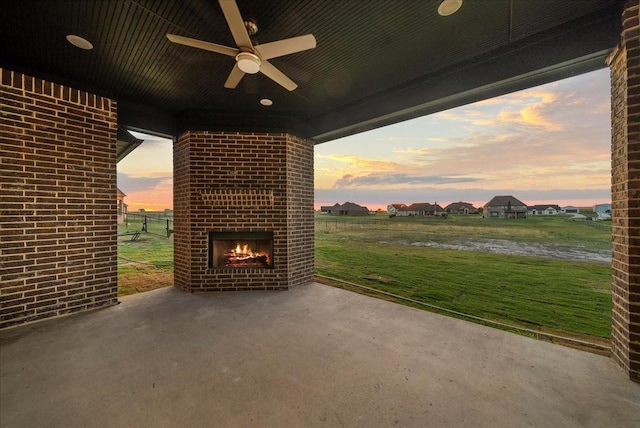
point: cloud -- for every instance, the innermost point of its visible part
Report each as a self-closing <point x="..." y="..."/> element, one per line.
<point x="512" y="152"/>
<point x="415" y="150"/>
<point x="535" y="116"/>
<point x="514" y="144"/>
<point x="545" y="95"/>
<point x="524" y="109"/>
<point x="364" y="163"/>
<point x="128" y="183"/>
<point x="529" y="108"/>
<point x="150" y="193"/>
<point x="153" y="158"/>
<point x="386" y="180"/>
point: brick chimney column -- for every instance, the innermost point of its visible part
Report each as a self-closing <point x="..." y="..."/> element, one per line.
<point x="243" y="182"/>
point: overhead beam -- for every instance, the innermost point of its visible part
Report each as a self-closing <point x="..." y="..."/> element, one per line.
<point x="147" y="119"/>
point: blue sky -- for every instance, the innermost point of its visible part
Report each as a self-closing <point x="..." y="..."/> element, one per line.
<point x="549" y="144"/>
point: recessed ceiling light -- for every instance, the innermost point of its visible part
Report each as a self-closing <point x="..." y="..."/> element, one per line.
<point x="266" y="102"/>
<point x="79" y="42"/>
<point x="449" y="7"/>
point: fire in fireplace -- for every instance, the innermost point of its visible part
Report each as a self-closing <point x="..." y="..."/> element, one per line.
<point x="240" y="250"/>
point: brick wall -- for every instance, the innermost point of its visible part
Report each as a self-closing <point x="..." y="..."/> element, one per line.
<point x="58" y="250"/>
<point x="243" y="182"/>
<point x="625" y="193"/>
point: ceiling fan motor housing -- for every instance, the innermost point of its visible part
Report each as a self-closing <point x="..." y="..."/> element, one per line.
<point x="251" y="26"/>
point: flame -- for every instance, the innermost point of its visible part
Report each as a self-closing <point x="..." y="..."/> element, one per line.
<point x="244" y="252"/>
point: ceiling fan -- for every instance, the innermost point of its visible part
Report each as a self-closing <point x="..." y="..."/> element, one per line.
<point x="250" y="58"/>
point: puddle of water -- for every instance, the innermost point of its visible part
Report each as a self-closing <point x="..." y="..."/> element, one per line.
<point x="502" y="246"/>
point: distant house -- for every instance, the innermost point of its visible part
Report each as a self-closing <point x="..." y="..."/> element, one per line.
<point x="505" y="207"/>
<point x="570" y="210"/>
<point x="461" y="208"/>
<point x="348" y="208"/>
<point x="420" y="209"/>
<point x="122" y="207"/>
<point x="544" y="209"/>
<point x="602" y="208"/>
<point x="392" y="209"/>
<point x="328" y="209"/>
<point x="603" y="211"/>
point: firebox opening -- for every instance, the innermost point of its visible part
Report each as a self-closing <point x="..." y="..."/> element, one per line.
<point x="245" y="250"/>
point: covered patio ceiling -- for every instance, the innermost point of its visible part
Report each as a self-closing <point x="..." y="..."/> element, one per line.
<point x="376" y="62"/>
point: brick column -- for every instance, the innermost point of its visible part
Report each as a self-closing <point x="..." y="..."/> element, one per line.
<point x="58" y="249"/>
<point x="243" y="182"/>
<point x="625" y="193"/>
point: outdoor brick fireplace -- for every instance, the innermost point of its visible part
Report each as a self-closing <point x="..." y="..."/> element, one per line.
<point x="243" y="211"/>
<point x="238" y="250"/>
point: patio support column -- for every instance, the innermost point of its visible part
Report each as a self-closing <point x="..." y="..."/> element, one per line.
<point x="58" y="244"/>
<point x="624" y="63"/>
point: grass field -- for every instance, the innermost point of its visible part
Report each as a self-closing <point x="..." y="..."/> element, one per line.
<point x="412" y="257"/>
<point x="555" y="230"/>
<point x="147" y="263"/>
<point x="568" y="297"/>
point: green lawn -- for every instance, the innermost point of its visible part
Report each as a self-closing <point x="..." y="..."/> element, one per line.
<point x="550" y="295"/>
<point x="558" y="230"/>
<point x="146" y="263"/>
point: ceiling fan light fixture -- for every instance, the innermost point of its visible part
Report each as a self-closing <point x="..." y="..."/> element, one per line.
<point x="449" y="7"/>
<point x="248" y="62"/>
<point x="266" y="102"/>
<point x="79" y="42"/>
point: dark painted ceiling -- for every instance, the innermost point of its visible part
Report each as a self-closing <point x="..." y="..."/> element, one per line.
<point x="376" y="61"/>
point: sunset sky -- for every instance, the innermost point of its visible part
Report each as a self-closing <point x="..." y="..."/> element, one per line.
<point x="549" y="144"/>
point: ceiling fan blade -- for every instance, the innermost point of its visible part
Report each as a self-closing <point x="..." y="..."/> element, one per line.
<point x="199" y="44"/>
<point x="236" y="23"/>
<point x="277" y="76"/>
<point x="234" y="77"/>
<point x="286" y="46"/>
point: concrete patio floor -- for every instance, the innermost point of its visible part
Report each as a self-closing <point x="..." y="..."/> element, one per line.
<point x="312" y="356"/>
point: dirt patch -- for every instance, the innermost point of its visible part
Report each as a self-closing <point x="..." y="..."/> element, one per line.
<point x="143" y="278"/>
<point x="583" y="342"/>
<point x="503" y="246"/>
